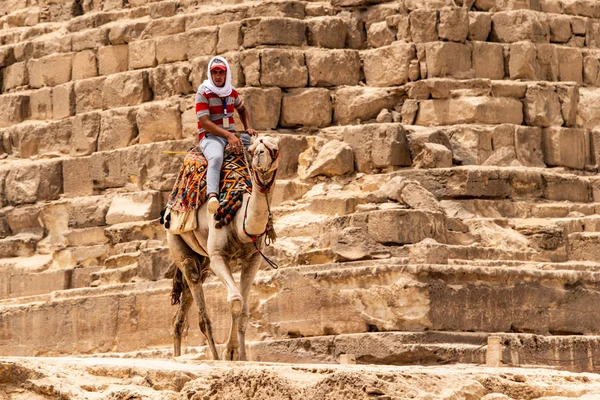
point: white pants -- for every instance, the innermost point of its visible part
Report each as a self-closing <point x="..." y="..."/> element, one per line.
<point x="213" y="146"/>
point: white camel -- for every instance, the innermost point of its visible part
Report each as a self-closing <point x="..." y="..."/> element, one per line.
<point x="208" y="248"/>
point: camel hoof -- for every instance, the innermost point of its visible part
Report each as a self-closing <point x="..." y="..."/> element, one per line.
<point x="236" y="304"/>
<point x="230" y="355"/>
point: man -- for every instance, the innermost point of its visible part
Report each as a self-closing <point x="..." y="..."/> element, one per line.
<point x="216" y="100"/>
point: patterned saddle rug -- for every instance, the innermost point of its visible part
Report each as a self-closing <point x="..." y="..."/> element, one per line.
<point x="189" y="191"/>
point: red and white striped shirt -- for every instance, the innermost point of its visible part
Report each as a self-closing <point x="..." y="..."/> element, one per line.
<point x="216" y="108"/>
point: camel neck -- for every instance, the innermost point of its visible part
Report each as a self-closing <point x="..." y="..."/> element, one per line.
<point x="258" y="210"/>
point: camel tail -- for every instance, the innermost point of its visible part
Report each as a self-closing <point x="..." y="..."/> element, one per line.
<point x="178" y="286"/>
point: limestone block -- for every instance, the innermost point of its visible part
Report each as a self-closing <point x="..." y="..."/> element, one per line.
<point x="454" y="24"/>
<point x="509" y="89"/>
<point x="291" y="146"/>
<point x="480" y="25"/>
<point x="7" y="56"/>
<point x="403" y="28"/>
<point x="154" y="264"/>
<point x="591" y="68"/>
<point x="31" y="139"/>
<point x="334" y="158"/>
<point x="86" y="128"/>
<point x="273" y="31"/>
<point x="362" y="103"/>
<point x="528" y="146"/>
<point x="165" y="27"/>
<point x="307" y="107"/>
<point x="566" y="187"/>
<point x="583" y="246"/>
<point x="468" y="110"/>
<point x="415" y="196"/>
<point x="159" y="121"/>
<point x="198" y="71"/>
<point x="230" y="37"/>
<point x="88" y="211"/>
<point x="126" y="89"/>
<point x="25" y="219"/>
<point x="520" y="25"/>
<point x="378" y="63"/>
<point x="522" y="63"/>
<point x="39" y="181"/>
<point x="127" y="31"/>
<point x="117" y="129"/>
<point x="423" y="25"/>
<point x="88" y="94"/>
<point x="142" y="54"/>
<point x="77" y="177"/>
<point x="542" y="107"/>
<point x="584" y="8"/>
<point x="50" y="70"/>
<point x="333" y="67"/>
<point x="569" y="102"/>
<point x="560" y="28"/>
<point x="588" y="114"/>
<point x="14" y="76"/>
<point x="40" y="104"/>
<point x="488" y="60"/>
<point x="547" y="62"/>
<point x="378" y="146"/>
<point x="237" y="71"/>
<point x="405" y="226"/>
<point x="433" y="155"/>
<point x="283" y="68"/>
<point x="63" y="101"/>
<point x="595" y="156"/>
<point x="288" y="190"/>
<point x="418" y="136"/>
<point x="380" y="34"/>
<point x="328" y="32"/>
<point x="570" y="65"/>
<point x="448" y="59"/>
<point x="170" y="80"/>
<point x="84" y="65"/>
<point x="565" y="147"/>
<point x="14" y="108"/>
<point x="200" y="42"/>
<point x="137" y="206"/>
<point x="89" y="39"/>
<point x="264" y="105"/>
<point x="113" y="59"/>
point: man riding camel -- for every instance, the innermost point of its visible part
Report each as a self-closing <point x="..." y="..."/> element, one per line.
<point x="216" y="100"/>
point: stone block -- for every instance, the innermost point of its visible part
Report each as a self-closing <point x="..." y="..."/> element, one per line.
<point x="488" y="60"/>
<point x="542" y="107"/>
<point x="591" y="69"/>
<point x="33" y="139"/>
<point x="480" y="25"/>
<point x="566" y="187"/>
<point x="126" y="89"/>
<point x="273" y="31"/>
<point x="588" y="114"/>
<point x="14" y="76"/>
<point x="230" y="37"/>
<point x="159" y="121"/>
<point x="468" y="110"/>
<point x="85" y="65"/>
<point x="7" y="56"/>
<point x="127" y="31"/>
<point x="154" y="264"/>
<point x="448" y="59"/>
<point x="14" y="108"/>
<point x="520" y="25"/>
<point x="583" y="246"/>
<point x="380" y="34"/>
<point x="86" y="128"/>
<point x="283" y="68"/>
<point x="89" y="39"/>
<point x="50" y="70"/>
<point x="291" y="146"/>
<point x="405" y="226"/>
<point x="25" y="219"/>
<point x="547" y="62"/>
<point x="198" y="71"/>
<point x="88" y="211"/>
<point x="423" y="25"/>
<point x="264" y="105"/>
<point x="560" y="28"/>
<point x="170" y="80"/>
<point x="137" y="206"/>
<point x="334" y="158"/>
<point x="39" y="181"/>
<point x="175" y="47"/>
<point x="523" y="61"/>
<point x="306" y="107"/>
<point x="328" y="32"/>
<point x="77" y="177"/>
<point x="352" y="103"/>
<point x="509" y="89"/>
<point x="40" y="104"/>
<point x="165" y="27"/>
<point x="570" y="65"/>
<point x="454" y="24"/>
<point x="528" y="146"/>
<point x="117" y="129"/>
<point x="378" y="63"/>
<point x="565" y="147"/>
<point x="63" y="101"/>
<point x="202" y="42"/>
<point x="333" y="67"/>
<point x="113" y="59"/>
<point x="88" y="94"/>
<point x="568" y="96"/>
<point x="142" y="54"/>
<point x="433" y="155"/>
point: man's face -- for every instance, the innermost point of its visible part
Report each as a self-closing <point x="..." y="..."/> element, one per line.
<point x="218" y="77"/>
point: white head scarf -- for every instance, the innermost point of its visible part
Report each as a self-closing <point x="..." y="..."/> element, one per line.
<point x="210" y="85"/>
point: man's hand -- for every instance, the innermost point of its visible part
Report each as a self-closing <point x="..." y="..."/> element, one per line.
<point x="251" y="132"/>
<point x="234" y="143"/>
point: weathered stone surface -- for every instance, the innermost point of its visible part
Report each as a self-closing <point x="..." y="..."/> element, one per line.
<point x="583" y="246"/>
<point x="547" y="62"/>
<point x="470" y="110"/>
<point x="588" y="115"/>
<point x="560" y="28"/>
<point x="117" y="129"/>
<point x="565" y="147"/>
<point x="523" y="61"/>
<point x="159" y="121"/>
<point x="291" y="147"/>
<point x="570" y="65"/>
<point x="85" y="65"/>
<point x="170" y="80"/>
<point x="569" y="103"/>
<point x="591" y="68"/>
<point x="433" y="155"/>
<point x="362" y="103"/>
<point x="380" y="34"/>
<point x="333" y="67"/>
<point x="113" y="59"/>
<point x="378" y="63"/>
<point x="542" y="107"/>
<point x="34" y="182"/>
<point x="273" y="31"/>
<point x="488" y="60"/>
<point x="40" y="104"/>
<point x="334" y="158"/>
<point x="125" y="32"/>
<point x="405" y="226"/>
<point x="200" y="42"/>
<point x="29" y="140"/>
<point x="307" y="107"/>
<point x="130" y="207"/>
<point x="528" y="146"/>
<point x="230" y="37"/>
<point x="63" y="101"/>
<point x="283" y="68"/>
<point x="50" y="70"/>
<point x="423" y="26"/>
<point x="518" y="25"/>
<point x="142" y="54"/>
<point x="454" y="24"/>
<point x="264" y="106"/>
<point x="126" y="89"/>
<point x="448" y="59"/>
<point x="15" y="75"/>
<point x="175" y="47"/>
<point x="480" y="25"/>
<point x="86" y="128"/>
<point x="88" y="94"/>
<point x="13" y="109"/>
<point x="328" y="32"/>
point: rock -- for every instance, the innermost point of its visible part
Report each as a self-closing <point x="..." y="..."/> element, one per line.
<point x="283" y="68"/>
<point x="518" y="25"/>
<point x="273" y="31"/>
<point x="351" y="244"/>
<point x="85" y="65"/>
<point x="379" y="34"/>
<point x="142" y="54"/>
<point x="117" y="129"/>
<point x="454" y="24"/>
<point x="542" y="107"/>
<point x="488" y="60"/>
<point x="433" y="155"/>
<point x="159" y="121"/>
<point x="334" y="158"/>
<point x="126" y="89"/>
<point x="196" y="43"/>
<point x="423" y="25"/>
<point x="565" y="147"/>
<point x="113" y="59"/>
<point x="384" y="116"/>
<point x="307" y="107"/>
<point x="328" y="32"/>
<point x="394" y="187"/>
<point x="137" y="206"/>
<point x="448" y="59"/>
<point x="469" y="110"/>
<point x="523" y="61"/>
<point x="362" y="103"/>
<point x="333" y="67"/>
<point x="480" y="25"/>
<point x="264" y="105"/>
<point x="378" y="64"/>
<point x="428" y="251"/>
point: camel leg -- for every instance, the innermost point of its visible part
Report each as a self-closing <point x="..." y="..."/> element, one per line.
<point x="179" y="318"/>
<point x="188" y="262"/>
<point x="246" y="279"/>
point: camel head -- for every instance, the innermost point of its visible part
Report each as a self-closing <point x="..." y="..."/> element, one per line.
<point x="264" y="154"/>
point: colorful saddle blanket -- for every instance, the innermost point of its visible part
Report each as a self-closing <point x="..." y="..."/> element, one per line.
<point x="189" y="190"/>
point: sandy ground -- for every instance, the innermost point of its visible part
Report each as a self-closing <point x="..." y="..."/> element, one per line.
<point x="137" y="379"/>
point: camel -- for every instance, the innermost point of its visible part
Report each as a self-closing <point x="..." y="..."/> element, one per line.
<point x="207" y="248"/>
